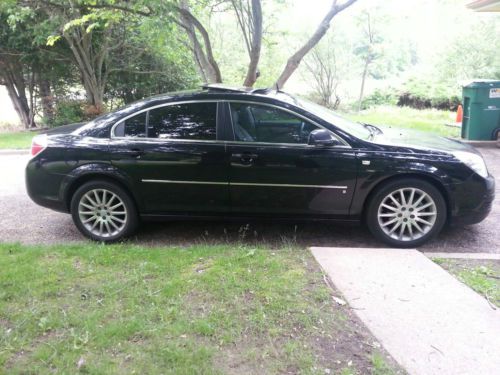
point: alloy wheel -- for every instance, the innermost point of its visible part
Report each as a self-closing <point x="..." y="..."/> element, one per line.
<point x="102" y="212"/>
<point x="407" y="214"/>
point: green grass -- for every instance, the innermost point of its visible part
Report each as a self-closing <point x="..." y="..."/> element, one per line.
<point x="16" y="140"/>
<point x="196" y="310"/>
<point x="482" y="276"/>
<point x="430" y="120"/>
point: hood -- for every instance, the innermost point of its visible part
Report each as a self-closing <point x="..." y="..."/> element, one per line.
<point x="65" y="129"/>
<point x="419" y="140"/>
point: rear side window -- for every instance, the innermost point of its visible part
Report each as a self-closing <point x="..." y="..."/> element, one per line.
<point x="132" y="127"/>
<point x="192" y="121"/>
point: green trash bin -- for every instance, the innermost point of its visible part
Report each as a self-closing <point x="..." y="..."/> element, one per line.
<point x="481" y="103"/>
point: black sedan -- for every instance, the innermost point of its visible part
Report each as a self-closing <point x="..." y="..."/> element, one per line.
<point x="221" y="152"/>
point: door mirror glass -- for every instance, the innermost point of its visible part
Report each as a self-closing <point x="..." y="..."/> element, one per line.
<point x="323" y="137"/>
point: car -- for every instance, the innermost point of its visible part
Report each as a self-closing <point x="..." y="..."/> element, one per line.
<point x="253" y="154"/>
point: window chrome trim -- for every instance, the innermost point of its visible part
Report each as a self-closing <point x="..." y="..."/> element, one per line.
<point x="217" y="141"/>
<point x="244" y="184"/>
<point x="186" y="182"/>
<point x="289" y="185"/>
<point x="217" y="101"/>
<point x="346" y="145"/>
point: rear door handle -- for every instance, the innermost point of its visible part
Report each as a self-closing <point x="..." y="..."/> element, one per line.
<point x="135" y="152"/>
<point x="245" y="158"/>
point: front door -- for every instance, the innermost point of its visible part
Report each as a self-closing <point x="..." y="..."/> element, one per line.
<point x="172" y="156"/>
<point x="274" y="171"/>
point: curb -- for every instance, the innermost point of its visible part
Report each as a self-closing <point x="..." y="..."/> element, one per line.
<point x="24" y="151"/>
<point x="482" y="144"/>
<point x="479" y="256"/>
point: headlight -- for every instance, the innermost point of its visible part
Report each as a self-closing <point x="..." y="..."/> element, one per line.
<point x="473" y="161"/>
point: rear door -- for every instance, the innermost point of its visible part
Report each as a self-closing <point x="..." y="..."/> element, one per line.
<point x="274" y="171"/>
<point x="173" y="157"/>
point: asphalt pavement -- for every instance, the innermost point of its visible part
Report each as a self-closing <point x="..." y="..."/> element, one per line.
<point x="23" y="221"/>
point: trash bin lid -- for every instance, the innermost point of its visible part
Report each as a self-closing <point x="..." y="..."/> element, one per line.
<point x="480" y="83"/>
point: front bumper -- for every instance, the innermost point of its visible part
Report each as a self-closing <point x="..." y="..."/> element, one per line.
<point x="473" y="200"/>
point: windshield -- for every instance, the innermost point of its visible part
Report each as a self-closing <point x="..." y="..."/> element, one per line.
<point x="351" y="127"/>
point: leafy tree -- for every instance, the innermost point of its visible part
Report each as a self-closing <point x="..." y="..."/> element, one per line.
<point x="369" y="49"/>
<point x="30" y="71"/>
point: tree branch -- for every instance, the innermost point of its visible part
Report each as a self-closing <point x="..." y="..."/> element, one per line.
<point x="295" y="60"/>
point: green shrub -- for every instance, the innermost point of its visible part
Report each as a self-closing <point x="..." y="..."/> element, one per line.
<point x="68" y="112"/>
<point x="387" y="96"/>
<point x="422" y="94"/>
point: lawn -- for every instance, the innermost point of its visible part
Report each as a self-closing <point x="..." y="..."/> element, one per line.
<point x="429" y="120"/>
<point x="481" y="275"/>
<point x="16" y="140"/>
<point x="196" y="310"/>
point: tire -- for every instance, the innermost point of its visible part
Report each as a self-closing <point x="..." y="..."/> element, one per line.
<point x="420" y="221"/>
<point x="496" y="135"/>
<point x="103" y="222"/>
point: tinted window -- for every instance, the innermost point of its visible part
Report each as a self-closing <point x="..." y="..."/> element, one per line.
<point x="132" y="127"/>
<point x="184" y="121"/>
<point x="256" y="123"/>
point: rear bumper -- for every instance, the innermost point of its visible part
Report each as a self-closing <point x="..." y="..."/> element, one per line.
<point x="43" y="188"/>
<point x="473" y="200"/>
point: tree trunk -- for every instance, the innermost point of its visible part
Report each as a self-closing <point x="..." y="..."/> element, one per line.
<point x="13" y="79"/>
<point x="363" y="80"/>
<point x="295" y="60"/>
<point x="256" y="44"/>
<point x="203" y="53"/>
<point x="91" y="65"/>
<point x="46" y="99"/>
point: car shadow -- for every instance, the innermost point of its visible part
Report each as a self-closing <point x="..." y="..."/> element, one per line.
<point x="278" y="234"/>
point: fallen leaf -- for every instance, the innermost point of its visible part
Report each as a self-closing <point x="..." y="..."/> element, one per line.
<point x="339" y="301"/>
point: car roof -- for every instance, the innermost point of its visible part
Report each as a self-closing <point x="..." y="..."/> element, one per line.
<point x="219" y="91"/>
<point x="207" y="92"/>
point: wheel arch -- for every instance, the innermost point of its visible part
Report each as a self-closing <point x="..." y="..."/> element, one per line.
<point x="75" y="180"/>
<point x="427" y="178"/>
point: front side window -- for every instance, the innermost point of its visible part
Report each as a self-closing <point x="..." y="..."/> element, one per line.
<point x="132" y="127"/>
<point x="259" y="123"/>
<point x="196" y="121"/>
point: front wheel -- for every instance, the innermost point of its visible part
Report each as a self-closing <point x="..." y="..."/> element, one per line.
<point x="103" y="211"/>
<point x="406" y="213"/>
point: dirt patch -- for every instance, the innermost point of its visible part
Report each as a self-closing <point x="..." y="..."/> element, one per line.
<point x="353" y="344"/>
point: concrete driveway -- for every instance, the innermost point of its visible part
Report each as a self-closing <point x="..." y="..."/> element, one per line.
<point x="23" y="221"/>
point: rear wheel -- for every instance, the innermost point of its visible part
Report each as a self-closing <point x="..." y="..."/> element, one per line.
<point x="406" y="212"/>
<point x="103" y="211"/>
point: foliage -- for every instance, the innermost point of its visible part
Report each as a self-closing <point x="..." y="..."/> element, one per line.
<point x="386" y="96"/>
<point x="421" y="93"/>
<point x="470" y="55"/>
<point x="68" y="111"/>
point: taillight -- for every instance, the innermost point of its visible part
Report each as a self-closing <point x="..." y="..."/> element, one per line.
<point x="38" y="144"/>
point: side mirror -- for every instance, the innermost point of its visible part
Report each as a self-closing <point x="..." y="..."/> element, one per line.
<point x="322" y="137"/>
